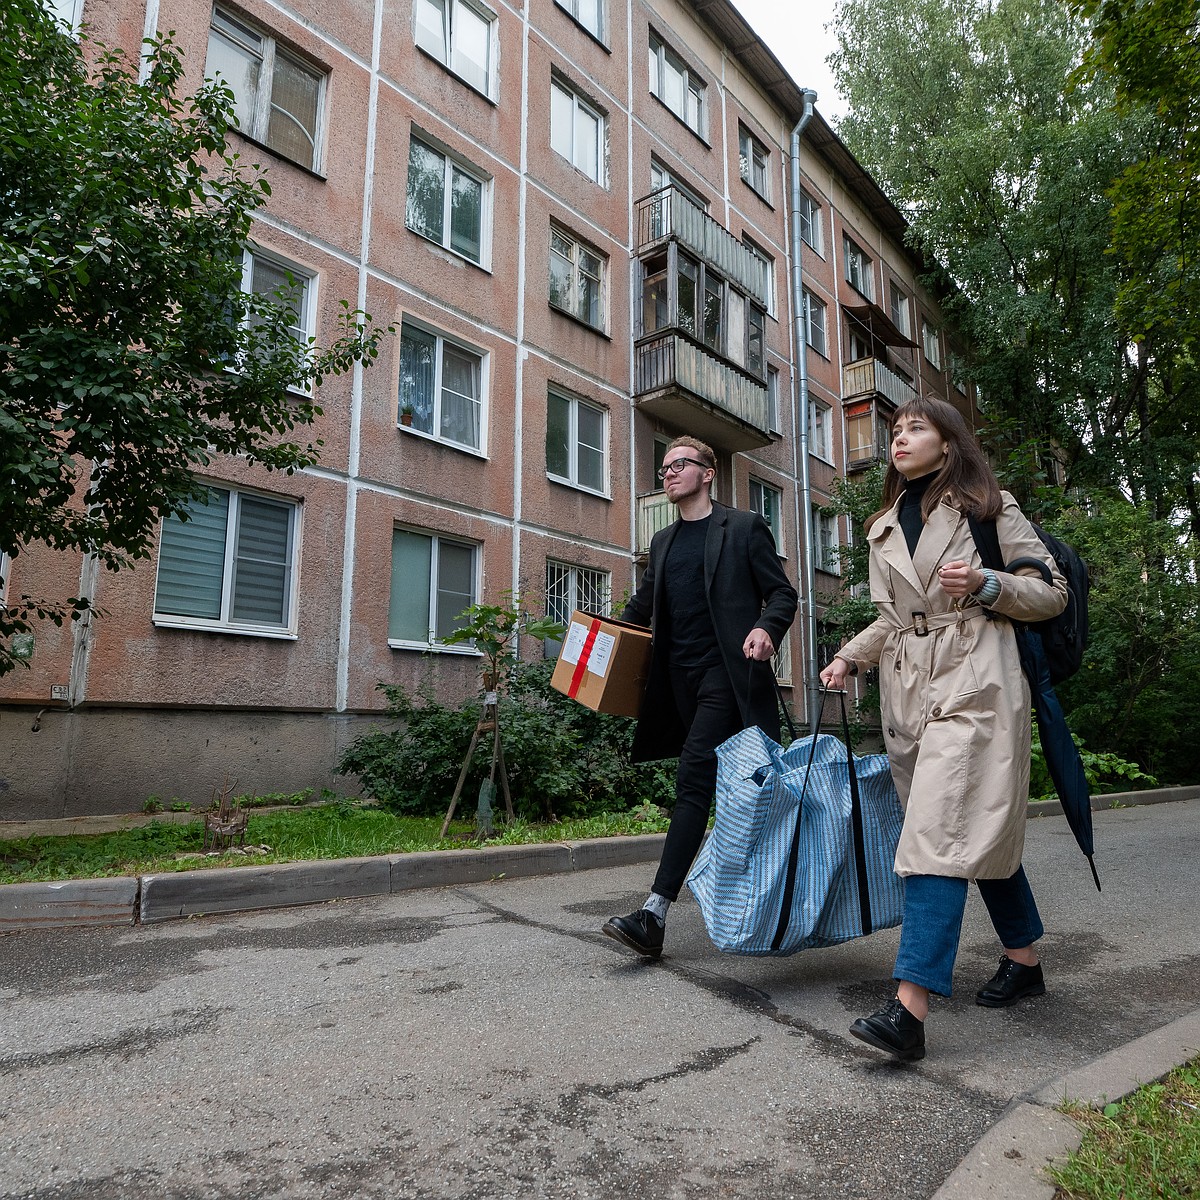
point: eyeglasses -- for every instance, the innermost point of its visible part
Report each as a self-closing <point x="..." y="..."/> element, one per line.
<point x="676" y="465"/>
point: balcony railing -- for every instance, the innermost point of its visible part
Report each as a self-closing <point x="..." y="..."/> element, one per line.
<point x="869" y="376"/>
<point x="682" y="383"/>
<point x="670" y="214"/>
<point x="654" y="512"/>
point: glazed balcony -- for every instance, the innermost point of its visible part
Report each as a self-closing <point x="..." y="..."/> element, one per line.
<point x="654" y="512"/>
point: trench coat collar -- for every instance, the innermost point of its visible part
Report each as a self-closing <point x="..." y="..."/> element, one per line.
<point x="916" y="568"/>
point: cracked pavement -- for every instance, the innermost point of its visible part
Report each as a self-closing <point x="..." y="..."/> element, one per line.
<point x="488" y="1042"/>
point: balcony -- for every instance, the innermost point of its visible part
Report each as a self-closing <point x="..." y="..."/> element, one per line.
<point x="870" y="377"/>
<point x="681" y="383"/>
<point x="654" y="512"/>
<point x="669" y="215"/>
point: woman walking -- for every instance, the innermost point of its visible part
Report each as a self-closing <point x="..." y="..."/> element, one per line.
<point x="956" y="711"/>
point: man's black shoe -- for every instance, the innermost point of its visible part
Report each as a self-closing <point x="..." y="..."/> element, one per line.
<point x="641" y="931"/>
<point x="1012" y="982"/>
<point x="894" y="1029"/>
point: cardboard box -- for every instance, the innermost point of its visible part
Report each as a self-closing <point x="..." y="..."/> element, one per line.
<point x="603" y="664"/>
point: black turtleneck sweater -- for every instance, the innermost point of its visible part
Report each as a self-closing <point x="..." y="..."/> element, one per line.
<point x="911" y="521"/>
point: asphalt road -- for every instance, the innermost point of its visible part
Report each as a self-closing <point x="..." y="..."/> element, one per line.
<point x="488" y="1042"/>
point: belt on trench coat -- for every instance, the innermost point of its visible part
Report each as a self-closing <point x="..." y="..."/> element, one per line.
<point x="923" y="623"/>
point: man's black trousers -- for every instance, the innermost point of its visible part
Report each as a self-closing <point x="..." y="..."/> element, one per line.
<point x="709" y="712"/>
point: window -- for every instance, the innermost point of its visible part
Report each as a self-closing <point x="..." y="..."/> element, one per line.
<point x="459" y="35"/>
<point x="753" y="157"/>
<point x="445" y="202"/>
<point x="230" y="566"/>
<point x="756" y="353"/>
<point x="661" y="177"/>
<point x="68" y="12"/>
<point x="589" y="14"/>
<point x="676" y="86"/>
<point x="285" y="283"/>
<point x="5" y="562"/>
<point x="932" y="345"/>
<point x="858" y="346"/>
<point x="867" y="436"/>
<point x="576" y="131"/>
<point x="768" y="270"/>
<point x="958" y="375"/>
<point x="441" y="384"/>
<point x="898" y="307"/>
<point x="782" y="662"/>
<point x="814" y="324"/>
<point x="858" y="268"/>
<point x="576" y="441"/>
<point x="828" y="547"/>
<point x="433" y="581"/>
<point x="820" y="427"/>
<point x="773" y="400"/>
<point x="768" y="503"/>
<point x="277" y="97"/>
<point x="569" y="588"/>
<point x="576" y="278"/>
<point x="810" y="222"/>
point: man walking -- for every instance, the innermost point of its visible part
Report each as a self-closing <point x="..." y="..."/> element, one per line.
<point x="715" y="595"/>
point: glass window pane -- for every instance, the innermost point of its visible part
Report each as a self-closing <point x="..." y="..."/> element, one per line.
<point x="687" y="285"/>
<point x="589" y="288"/>
<point x="712" y="312"/>
<point x="587" y="143"/>
<point x="754" y="340"/>
<point x="559" y="603"/>
<point x="587" y="12"/>
<point x="590" y="432"/>
<point x="460" y="396"/>
<point x="558" y="436"/>
<point x="655" y="309"/>
<point x="425" y="202"/>
<point x="261" y="569"/>
<point x="269" y="278"/>
<point x="408" y="610"/>
<point x="191" y="560"/>
<point x="237" y="65"/>
<point x="295" y="94"/>
<point x="466" y="215"/>
<point x="455" y="585"/>
<point x="562" y="121"/>
<point x="472" y="36"/>
<point x="561" y="273"/>
<point x="431" y="29"/>
<point x="418" y="364"/>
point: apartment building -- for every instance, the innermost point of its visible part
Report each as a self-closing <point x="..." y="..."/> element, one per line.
<point x="577" y="211"/>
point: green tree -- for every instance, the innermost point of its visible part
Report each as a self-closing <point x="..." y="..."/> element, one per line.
<point x="129" y="354"/>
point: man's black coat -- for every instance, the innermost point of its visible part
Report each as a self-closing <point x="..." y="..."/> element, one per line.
<point x="746" y="588"/>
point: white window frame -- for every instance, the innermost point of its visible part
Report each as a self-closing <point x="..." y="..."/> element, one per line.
<point x="68" y="13"/>
<point x="574" y="7"/>
<point x="754" y="163"/>
<point x="587" y="589"/>
<point x="432" y="644"/>
<point x="829" y="545"/>
<point x="305" y="329"/>
<point x="931" y="344"/>
<point x="442" y="341"/>
<point x="693" y="98"/>
<point x="571" y="479"/>
<point x="782" y="660"/>
<point x="452" y="163"/>
<point x="259" y="126"/>
<point x="225" y="622"/>
<point x="580" y="108"/>
<point x="761" y="492"/>
<point x="814" y="305"/>
<point x="811" y="225"/>
<point x="443" y="47"/>
<point x="578" y="247"/>
<point x="5" y="568"/>
<point x="820" y="425"/>
<point x="773" y="400"/>
<point x="898" y="305"/>
<point x="859" y="267"/>
<point x="768" y="262"/>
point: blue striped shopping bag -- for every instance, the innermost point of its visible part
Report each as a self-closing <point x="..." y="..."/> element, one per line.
<point x="802" y="849"/>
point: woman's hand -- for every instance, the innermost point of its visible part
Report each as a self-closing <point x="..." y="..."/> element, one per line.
<point x="834" y="675"/>
<point x="959" y="580"/>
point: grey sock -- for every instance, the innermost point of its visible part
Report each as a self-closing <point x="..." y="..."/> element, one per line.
<point x="658" y="905"/>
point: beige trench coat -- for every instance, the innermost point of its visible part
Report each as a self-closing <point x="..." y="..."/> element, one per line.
<point x="955" y="703"/>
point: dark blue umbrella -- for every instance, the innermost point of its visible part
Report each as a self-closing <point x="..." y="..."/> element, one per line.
<point x="1062" y="755"/>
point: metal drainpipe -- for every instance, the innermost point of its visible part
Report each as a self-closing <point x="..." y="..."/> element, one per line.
<point x="807" y="597"/>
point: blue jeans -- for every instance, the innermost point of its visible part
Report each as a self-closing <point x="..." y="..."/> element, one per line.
<point x="933" y="913"/>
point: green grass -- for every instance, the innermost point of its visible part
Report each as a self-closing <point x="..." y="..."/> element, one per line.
<point x="328" y="831"/>
<point x="1145" y="1147"/>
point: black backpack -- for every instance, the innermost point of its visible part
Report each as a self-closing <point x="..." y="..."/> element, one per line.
<point x="1064" y="638"/>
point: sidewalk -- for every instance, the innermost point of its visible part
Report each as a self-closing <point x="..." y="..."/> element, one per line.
<point x="1008" y="1159"/>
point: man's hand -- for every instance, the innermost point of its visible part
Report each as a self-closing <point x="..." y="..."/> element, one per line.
<point x="758" y="645"/>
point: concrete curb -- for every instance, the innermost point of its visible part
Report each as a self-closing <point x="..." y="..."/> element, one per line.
<point x="69" y="902"/>
<point x="1009" y="1161"/>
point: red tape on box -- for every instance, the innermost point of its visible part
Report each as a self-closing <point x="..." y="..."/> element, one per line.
<point x="584" y="655"/>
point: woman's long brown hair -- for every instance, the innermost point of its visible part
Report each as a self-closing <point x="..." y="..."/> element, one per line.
<point x="965" y="475"/>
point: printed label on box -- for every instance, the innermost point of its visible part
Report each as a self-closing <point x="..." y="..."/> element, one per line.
<point x="573" y="646"/>
<point x="601" y="654"/>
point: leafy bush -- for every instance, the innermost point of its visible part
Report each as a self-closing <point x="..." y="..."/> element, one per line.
<point x="561" y="757"/>
<point x="1105" y="771"/>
